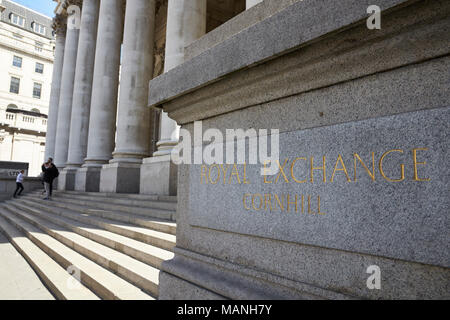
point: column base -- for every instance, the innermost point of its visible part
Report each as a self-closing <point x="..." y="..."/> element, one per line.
<point x="120" y="177"/>
<point x="66" y="179"/>
<point x="159" y="176"/>
<point x="87" y="179"/>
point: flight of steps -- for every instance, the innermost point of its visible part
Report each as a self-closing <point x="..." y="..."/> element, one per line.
<point x="115" y="242"/>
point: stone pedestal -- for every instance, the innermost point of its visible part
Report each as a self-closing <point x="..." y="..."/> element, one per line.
<point x="120" y="177"/>
<point x="363" y="120"/>
<point x="66" y="179"/>
<point x="159" y="176"/>
<point x="87" y="179"/>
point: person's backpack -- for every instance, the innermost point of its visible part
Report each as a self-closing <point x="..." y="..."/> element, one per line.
<point x="56" y="172"/>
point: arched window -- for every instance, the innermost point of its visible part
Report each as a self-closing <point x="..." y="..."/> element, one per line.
<point x="12" y="106"/>
<point x="35" y="110"/>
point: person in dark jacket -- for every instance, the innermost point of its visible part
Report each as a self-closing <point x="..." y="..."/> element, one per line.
<point x="50" y="173"/>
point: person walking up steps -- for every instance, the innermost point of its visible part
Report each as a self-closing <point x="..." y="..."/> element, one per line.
<point x="50" y="173"/>
<point x="19" y="184"/>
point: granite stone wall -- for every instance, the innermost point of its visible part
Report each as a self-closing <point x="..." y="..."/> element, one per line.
<point x="363" y="117"/>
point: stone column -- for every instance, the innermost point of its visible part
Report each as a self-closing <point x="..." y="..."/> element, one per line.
<point x="59" y="26"/>
<point x="66" y="95"/>
<point x="82" y="92"/>
<point x="102" y="120"/>
<point x="133" y="124"/>
<point x="251" y="3"/>
<point x="186" y="22"/>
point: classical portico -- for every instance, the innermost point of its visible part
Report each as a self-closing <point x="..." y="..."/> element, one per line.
<point x="102" y="134"/>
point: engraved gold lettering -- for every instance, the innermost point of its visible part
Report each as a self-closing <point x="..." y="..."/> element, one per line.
<point x="289" y="202"/>
<point x="340" y="160"/>
<point x="292" y="170"/>
<point x="318" y="206"/>
<point x="265" y="171"/>
<point x="309" y="205"/>
<point x="323" y="168"/>
<point x="280" y="203"/>
<point x="224" y="172"/>
<point x="245" y="174"/>
<point x="371" y="174"/>
<point x="234" y="172"/>
<point x="259" y="196"/>
<point x="218" y="174"/>
<point x="281" y="171"/>
<point x="416" y="175"/>
<point x="243" y="200"/>
<point x="402" y="167"/>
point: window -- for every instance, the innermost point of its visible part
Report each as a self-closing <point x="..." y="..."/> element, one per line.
<point x="17" y="20"/>
<point x="38" y="46"/>
<point x="39" y="68"/>
<point x="37" y="88"/>
<point x="28" y="119"/>
<point x="15" y="85"/>
<point x="38" y="28"/>
<point x="17" y="62"/>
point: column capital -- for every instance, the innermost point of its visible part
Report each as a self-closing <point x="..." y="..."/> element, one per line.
<point x="59" y="24"/>
<point x="68" y="3"/>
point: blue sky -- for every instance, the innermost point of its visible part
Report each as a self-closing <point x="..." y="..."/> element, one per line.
<point x="42" y="6"/>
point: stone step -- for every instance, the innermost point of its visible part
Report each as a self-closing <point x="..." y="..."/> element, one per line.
<point x="136" y="272"/>
<point x="152" y="237"/>
<point x="140" y="274"/>
<point x="54" y="277"/>
<point x="146" y="253"/>
<point x="101" y="281"/>
<point x="138" y="220"/>
<point x="143" y="197"/>
<point x="150" y="204"/>
<point x="153" y="213"/>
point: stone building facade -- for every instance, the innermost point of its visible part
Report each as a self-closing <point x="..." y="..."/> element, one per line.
<point x="343" y="95"/>
<point x="93" y="151"/>
<point x="26" y="63"/>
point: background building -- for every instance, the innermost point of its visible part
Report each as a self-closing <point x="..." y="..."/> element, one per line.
<point x="26" y="66"/>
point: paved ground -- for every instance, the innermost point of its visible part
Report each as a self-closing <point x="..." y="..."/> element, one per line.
<point x="18" y="281"/>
